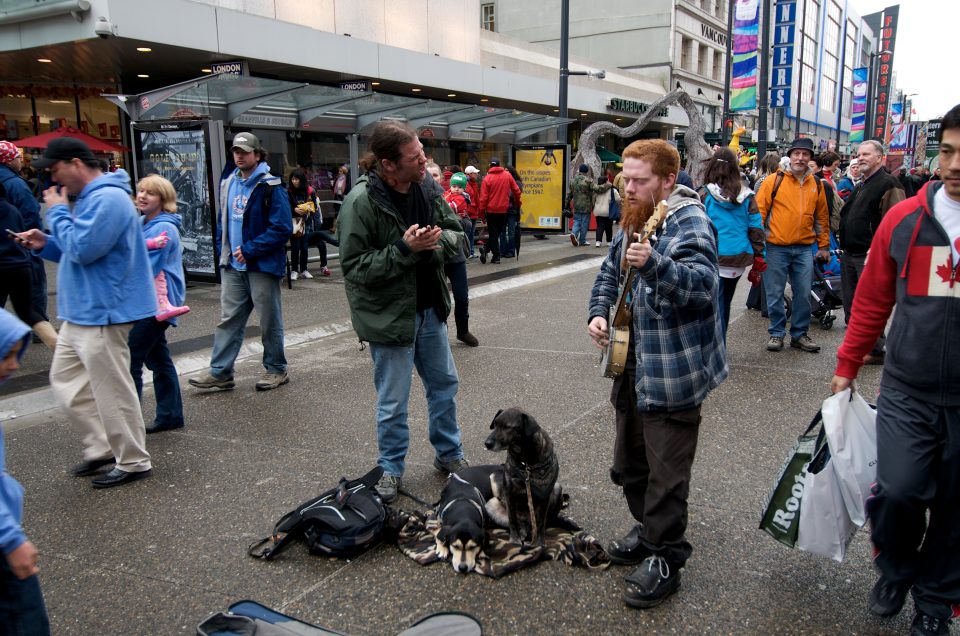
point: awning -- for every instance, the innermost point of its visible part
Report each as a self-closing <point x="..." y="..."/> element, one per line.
<point x="271" y="103"/>
<point x="606" y="156"/>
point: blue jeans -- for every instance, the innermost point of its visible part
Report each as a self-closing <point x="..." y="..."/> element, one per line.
<point x="240" y="293"/>
<point x="508" y="245"/>
<point x="392" y="376"/>
<point x="796" y="263"/>
<point x="22" y="612"/>
<point x="148" y="346"/>
<point x="581" y="225"/>
<point x="469" y="229"/>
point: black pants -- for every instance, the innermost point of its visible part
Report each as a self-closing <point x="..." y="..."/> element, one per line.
<point x="851" y="269"/>
<point x="918" y="470"/>
<point x="604" y="227"/>
<point x="652" y="458"/>
<point x="17" y="284"/>
<point x="495" y="225"/>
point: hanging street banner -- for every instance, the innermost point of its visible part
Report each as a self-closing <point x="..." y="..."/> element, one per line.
<point x="903" y="138"/>
<point x="859" y="106"/>
<point x="541" y="170"/>
<point x="896" y="113"/>
<point x="743" y="74"/>
<point x="888" y="38"/>
<point x="784" y="32"/>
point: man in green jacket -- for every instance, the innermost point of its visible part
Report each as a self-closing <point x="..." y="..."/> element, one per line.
<point x="396" y="231"/>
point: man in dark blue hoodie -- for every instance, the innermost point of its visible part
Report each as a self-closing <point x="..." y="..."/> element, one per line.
<point x="19" y="194"/>
<point x="21" y="603"/>
<point x="254" y="226"/>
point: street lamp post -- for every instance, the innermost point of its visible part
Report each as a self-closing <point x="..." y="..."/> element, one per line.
<point x="565" y="72"/>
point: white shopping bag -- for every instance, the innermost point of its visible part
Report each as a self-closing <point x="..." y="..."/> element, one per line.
<point x="825" y="527"/>
<point x="851" y="427"/>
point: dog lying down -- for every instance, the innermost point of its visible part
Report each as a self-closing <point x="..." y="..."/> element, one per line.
<point x="463" y="517"/>
<point x="527" y="487"/>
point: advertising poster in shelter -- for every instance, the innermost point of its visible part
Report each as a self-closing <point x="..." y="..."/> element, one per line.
<point x="180" y="152"/>
<point x="541" y="168"/>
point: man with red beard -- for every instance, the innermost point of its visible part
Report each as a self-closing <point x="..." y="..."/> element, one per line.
<point x="676" y="357"/>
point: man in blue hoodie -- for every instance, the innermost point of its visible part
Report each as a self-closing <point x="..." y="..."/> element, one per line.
<point x="254" y="226"/>
<point x="21" y="603"/>
<point x="104" y="285"/>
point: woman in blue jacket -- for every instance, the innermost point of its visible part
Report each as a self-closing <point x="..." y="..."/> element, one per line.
<point x="732" y="208"/>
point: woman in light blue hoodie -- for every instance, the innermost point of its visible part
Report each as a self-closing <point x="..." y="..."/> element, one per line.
<point x="157" y="202"/>
<point x="21" y="603"/>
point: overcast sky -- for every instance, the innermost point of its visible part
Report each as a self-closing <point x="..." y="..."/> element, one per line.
<point x="925" y="53"/>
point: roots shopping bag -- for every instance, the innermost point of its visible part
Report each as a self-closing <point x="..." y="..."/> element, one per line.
<point x="825" y="527"/>
<point x="780" y="517"/>
<point x="850" y="424"/>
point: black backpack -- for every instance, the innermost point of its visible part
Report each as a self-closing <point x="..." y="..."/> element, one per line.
<point x="342" y="522"/>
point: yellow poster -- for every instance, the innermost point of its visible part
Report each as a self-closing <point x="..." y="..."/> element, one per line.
<point x="541" y="169"/>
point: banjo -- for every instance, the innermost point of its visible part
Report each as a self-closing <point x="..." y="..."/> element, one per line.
<point x="614" y="359"/>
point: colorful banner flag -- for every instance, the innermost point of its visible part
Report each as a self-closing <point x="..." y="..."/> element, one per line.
<point x="743" y="73"/>
<point x="859" y="106"/>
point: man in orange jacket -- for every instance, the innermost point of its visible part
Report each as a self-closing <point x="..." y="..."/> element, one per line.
<point x="795" y="216"/>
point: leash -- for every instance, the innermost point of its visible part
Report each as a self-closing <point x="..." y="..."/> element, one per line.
<point x="533" y="514"/>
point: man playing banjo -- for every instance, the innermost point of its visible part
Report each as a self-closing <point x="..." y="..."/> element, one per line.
<point x="675" y="357"/>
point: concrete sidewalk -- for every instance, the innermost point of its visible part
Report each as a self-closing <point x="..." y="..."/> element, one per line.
<point x="158" y="556"/>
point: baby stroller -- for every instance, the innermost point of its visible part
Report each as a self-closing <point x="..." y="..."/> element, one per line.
<point x="825" y="291"/>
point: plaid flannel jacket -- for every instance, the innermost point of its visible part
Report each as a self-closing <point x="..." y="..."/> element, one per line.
<point x="679" y="352"/>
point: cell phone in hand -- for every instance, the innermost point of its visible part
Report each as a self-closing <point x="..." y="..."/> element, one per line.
<point x="13" y="235"/>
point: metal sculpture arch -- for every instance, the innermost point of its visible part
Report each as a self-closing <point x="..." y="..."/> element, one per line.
<point x="697" y="149"/>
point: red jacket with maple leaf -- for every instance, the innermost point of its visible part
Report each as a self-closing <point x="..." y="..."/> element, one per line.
<point x="910" y="264"/>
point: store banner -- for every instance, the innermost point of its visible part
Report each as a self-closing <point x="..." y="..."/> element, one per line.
<point x="544" y="183"/>
<point x="743" y="74"/>
<point x="888" y="38"/>
<point x="179" y="151"/>
<point x="859" y="106"/>
<point x="781" y="73"/>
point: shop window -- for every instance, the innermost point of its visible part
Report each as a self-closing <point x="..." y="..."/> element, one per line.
<point x="702" y="60"/>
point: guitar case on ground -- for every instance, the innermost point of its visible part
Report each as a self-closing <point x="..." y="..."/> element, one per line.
<point x="249" y="618"/>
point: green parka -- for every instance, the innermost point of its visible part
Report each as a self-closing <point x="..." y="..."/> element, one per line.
<point x="379" y="269"/>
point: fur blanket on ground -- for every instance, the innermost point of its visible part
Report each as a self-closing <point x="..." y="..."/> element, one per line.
<point x="416" y="540"/>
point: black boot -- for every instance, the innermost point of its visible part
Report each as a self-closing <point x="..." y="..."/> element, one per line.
<point x="464" y="335"/>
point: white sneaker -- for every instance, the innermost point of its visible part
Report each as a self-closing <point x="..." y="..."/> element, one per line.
<point x="598" y="243"/>
<point x="293" y="276"/>
<point x="306" y="274"/>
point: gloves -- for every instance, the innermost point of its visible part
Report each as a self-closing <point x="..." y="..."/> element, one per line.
<point x="158" y="242"/>
<point x="754" y="276"/>
<point x="759" y="265"/>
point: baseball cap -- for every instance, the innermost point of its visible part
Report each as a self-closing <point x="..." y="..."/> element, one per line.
<point x="246" y="142"/>
<point x="471" y="170"/>
<point x="64" y="149"/>
<point x="494" y="161"/>
<point x="8" y="151"/>
<point x="459" y="180"/>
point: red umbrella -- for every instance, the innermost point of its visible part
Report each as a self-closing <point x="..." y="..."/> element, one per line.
<point x="96" y="145"/>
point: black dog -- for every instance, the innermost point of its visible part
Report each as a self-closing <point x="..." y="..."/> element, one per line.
<point x="527" y="488"/>
<point x="462" y="515"/>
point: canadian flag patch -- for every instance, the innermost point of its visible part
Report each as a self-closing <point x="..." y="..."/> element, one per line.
<point x="931" y="272"/>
